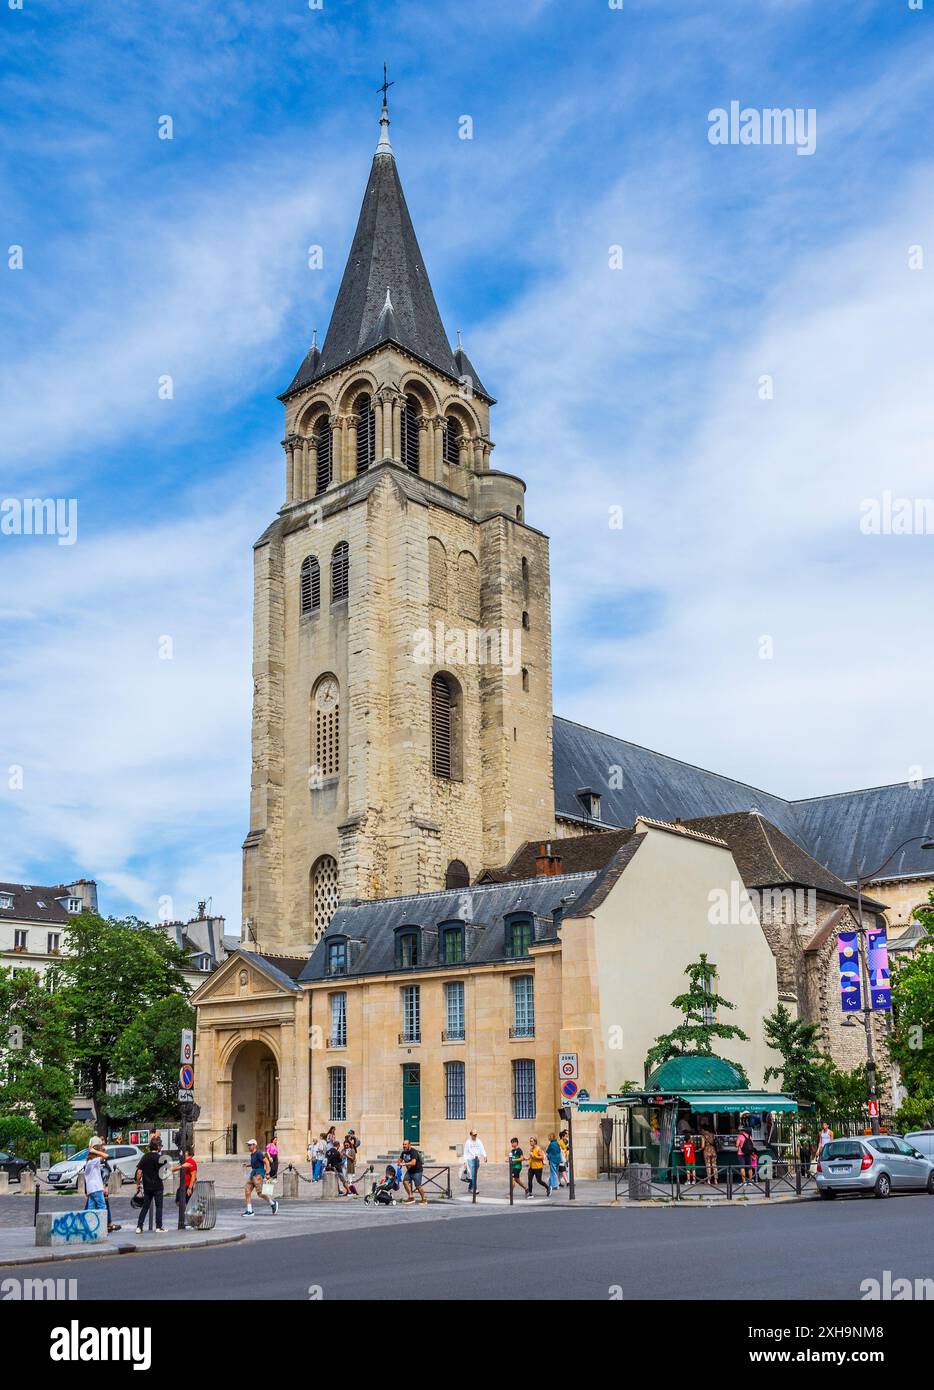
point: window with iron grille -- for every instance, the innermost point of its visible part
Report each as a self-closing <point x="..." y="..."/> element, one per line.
<point x="339" y="1019"/>
<point x="523" y="1089"/>
<point x="441" y="726"/>
<point x="337" y="1087"/>
<point x="452" y="945"/>
<point x="410" y="414"/>
<point x="523" y="1006"/>
<point x="340" y="572"/>
<point x="519" y="937"/>
<point x="325" y="894"/>
<point x="366" y="432"/>
<point x="337" y="957"/>
<point x="454" y="1010"/>
<point x="455" y="1091"/>
<point x="324" y="449"/>
<point x="411" y="1014"/>
<point x="452" y="438"/>
<point x="310" y="584"/>
<point x="407" y="943"/>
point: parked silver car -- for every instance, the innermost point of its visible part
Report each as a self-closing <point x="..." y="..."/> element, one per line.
<point x="880" y="1164"/>
<point x="126" y="1157"/>
<point x="922" y="1139"/>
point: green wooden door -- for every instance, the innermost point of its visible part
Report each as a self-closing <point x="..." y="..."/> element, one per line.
<point x="411" y="1101"/>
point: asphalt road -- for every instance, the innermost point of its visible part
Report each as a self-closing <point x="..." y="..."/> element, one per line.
<point x="813" y="1250"/>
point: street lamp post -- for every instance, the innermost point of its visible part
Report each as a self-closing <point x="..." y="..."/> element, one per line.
<point x="927" y="843"/>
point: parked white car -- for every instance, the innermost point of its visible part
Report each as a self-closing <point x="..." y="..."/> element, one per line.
<point x="126" y="1157"/>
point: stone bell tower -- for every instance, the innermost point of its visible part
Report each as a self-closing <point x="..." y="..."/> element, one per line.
<point x="402" y="625"/>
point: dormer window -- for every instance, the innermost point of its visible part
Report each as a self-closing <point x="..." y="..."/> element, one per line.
<point x="74" y="906"/>
<point x="337" y="956"/>
<point x="590" y="801"/>
<point x="408" y="948"/>
<point x="520" y="934"/>
<point x="452" y="944"/>
<point x="6" y="900"/>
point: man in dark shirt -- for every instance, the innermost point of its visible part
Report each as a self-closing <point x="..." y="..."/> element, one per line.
<point x="412" y="1175"/>
<point x="149" y="1179"/>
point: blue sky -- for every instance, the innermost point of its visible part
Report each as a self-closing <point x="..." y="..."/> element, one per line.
<point x="636" y="388"/>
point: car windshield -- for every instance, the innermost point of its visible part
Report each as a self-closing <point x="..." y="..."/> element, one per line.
<point x="842" y="1148"/>
<point x="80" y="1155"/>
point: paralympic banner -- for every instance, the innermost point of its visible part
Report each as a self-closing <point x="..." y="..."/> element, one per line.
<point x="880" y="983"/>
<point x="848" y="954"/>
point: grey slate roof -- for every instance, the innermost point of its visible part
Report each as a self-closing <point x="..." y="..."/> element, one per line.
<point x="384" y="255"/>
<point x="285" y="970"/>
<point x="26" y="904"/>
<point x="483" y="907"/>
<point x="836" y="830"/>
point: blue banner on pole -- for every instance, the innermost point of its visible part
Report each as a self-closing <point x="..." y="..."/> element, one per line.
<point x="848" y="953"/>
<point x="880" y="983"/>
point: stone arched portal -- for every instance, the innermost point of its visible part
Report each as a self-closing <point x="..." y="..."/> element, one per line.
<point x="254" y="1094"/>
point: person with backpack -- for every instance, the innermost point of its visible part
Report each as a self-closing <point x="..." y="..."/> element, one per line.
<point x="256" y="1179"/>
<point x="536" y="1164"/>
<point x="744" y="1154"/>
<point x="515" y="1158"/>
<point x="149" y="1181"/>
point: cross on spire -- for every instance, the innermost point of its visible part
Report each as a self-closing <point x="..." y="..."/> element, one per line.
<point x="385" y="87"/>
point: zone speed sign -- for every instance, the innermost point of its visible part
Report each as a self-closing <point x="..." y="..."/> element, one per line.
<point x="567" y="1066"/>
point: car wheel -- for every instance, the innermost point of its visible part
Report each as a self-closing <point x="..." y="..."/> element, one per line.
<point x="827" y="1193"/>
<point x="931" y="1182"/>
<point x="883" y="1185"/>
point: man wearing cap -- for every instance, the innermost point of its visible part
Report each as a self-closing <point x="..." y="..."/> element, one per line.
<point x="259" y="1170"/>
<point x="473" y="1153"/>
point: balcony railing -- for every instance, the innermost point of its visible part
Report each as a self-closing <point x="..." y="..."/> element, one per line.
<point x="526" y="1031"/>
<point x="408" y="1038"/>
<point x="455" y="1035"/>
<point x="335" y="1042"/>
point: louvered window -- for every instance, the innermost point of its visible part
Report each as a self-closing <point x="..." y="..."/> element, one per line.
<point x="440" y="727"/>
<point x="323" y="455"/>
<point x="366" y="432"/>
<point x="340" y="572"/>
<point x="452" y="435"/>
<point x="457" y="875"/>
<point x="310" y="584"/>
<point x="410" y="415"/>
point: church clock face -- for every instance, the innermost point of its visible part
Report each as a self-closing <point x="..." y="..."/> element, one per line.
<point x="327" y="694"/>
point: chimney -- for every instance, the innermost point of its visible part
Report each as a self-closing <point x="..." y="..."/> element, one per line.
<point x="546" y="863"/>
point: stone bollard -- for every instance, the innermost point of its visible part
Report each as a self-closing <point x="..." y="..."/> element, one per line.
<point x="45" y="1162"/>
<point x="79" y="1184"/>
<point x="330" y="1190"/>
<point x="76" y="1229"/>
<point x="27" y="1182"/>
<point x="640" y="1182"/>
<point x="4" y="1182"/>
<point x="289" y="1182"/>
<point x="114" y="1182"/>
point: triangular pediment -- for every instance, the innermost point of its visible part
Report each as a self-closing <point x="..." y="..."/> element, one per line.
<point x="245" y="975"/>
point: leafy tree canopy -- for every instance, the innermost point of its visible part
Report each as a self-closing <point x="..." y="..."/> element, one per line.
<point x="35" y="1053"/>
<point x="796" y="1043"/>
<point x="147" y="1057"/>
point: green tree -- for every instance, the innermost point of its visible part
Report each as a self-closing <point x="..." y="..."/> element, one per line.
<point x="911" y="1042"/>
<point x="841" y="1092"/>
<point x="146" y="1056"/>
<point x="700" y="1027"/>
<point x="796" y="1043"/>
<point x="112" y="972"/>
<point x="21" y="1135"/>
<point x="36" y="1072"/>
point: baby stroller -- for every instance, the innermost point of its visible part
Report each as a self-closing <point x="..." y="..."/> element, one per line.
<point x="382" y="1193"/>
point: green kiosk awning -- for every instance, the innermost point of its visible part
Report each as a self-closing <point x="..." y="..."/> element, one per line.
<point x="708" y="1102"/>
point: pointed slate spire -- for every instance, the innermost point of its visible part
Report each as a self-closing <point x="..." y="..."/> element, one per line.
<point x="309" y="368"/>
<point x="385" y="294"/>
<point x="465" y="368"/>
